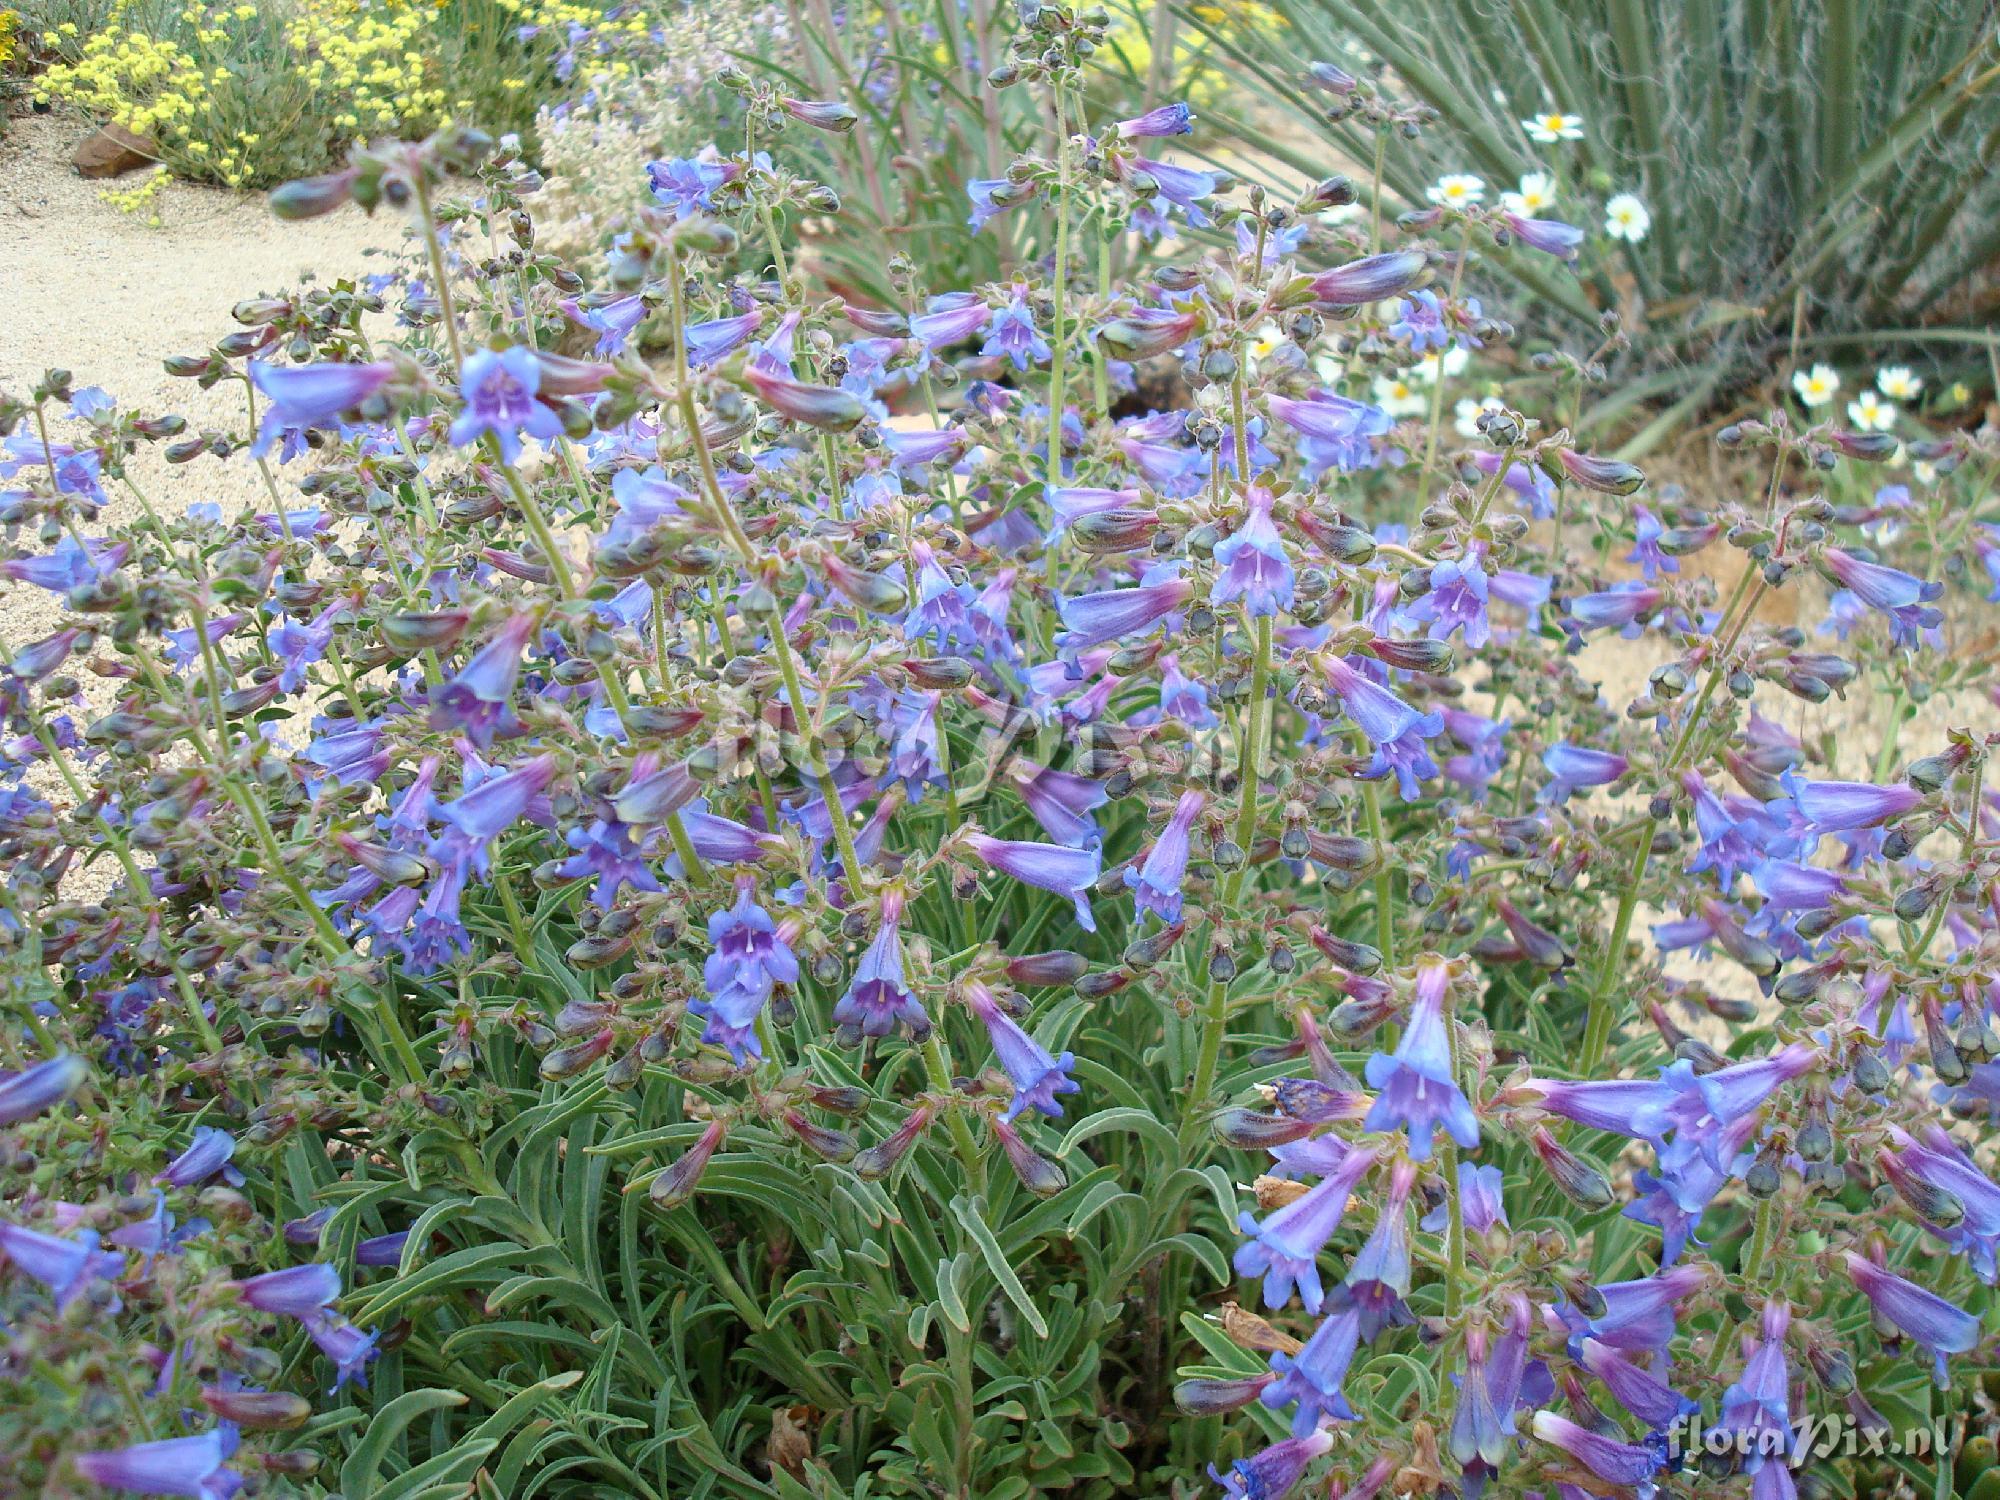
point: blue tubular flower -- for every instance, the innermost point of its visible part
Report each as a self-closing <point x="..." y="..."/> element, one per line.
<point x="1456" y="601"/>
<point x="1626" y="1464"/>
<point x="489" y="809"/>
<point x="1481" y="1201"/>
<point x="940" y="610"/>
<point x="1013" y="335"/>
<point x="1646" y="553"/>
<point x="1375" y="710"/>
<point x="686" y="185"/>
<point x="1938" y="1164"/>
<point x="1284" y="1249"/>
<point x="1156" y="883"/>
<point x="613" y="322"/>
<point x="189" y="1466"/>
<point x="1061" y="801"/>
<point x="877" y="1000"/>
<point x="1732" y="839"/>
<point x="1048" y="867"/>
<point x="1756" y="1409"/>
<point x="348" y="1347"/>
<point x="1786" y="886"/>
<point x="1550" y="236"/>
<point x="1379" y="1275"/>
<point x="749" y="956"/>
<point x="992" y="195"/>
<point x="1636" y="1388"/>
<point x="1420" y="323"/>
<point x="1274" y="1473"/>
<point x="1904" y="599"/>
<point x="382" y="1249"/>
<point x="1674" y="1201"/>
<point x="1182" y="698"/>
<point x="1037" y="1076"/>
<point x="1094" y="619"/>
<point x="478" y="702"/>
<point x="1637" y="1107"/>
<point x="32" y="1091"/>
<point x="1251" y="564"/>
<point x="1482" y="1429"/>
<point x="951" y="319"/>
<point x="1729" y="1094"/>
<point x="1639" y="1315"/>
<point x="1618" y="608"/>
<point x="719" y="337"/>
<point x="1313" y="1377"/>
<point x="69" y="1268"/>
<point x="1940" y="1327"/>
<point x="1415" y="1084"/>
<point x="1163" y="120"/>
<point x="1373" y="278"/>
<point x="1184" y="187"/>
<point x="207" y="1155"/>
<point x="301" y="1292"/>
<point x="500" y="389"/>
<point x="1848" y="806"/>
<point x="1070" y="505"/>
<point x="303" y="396"/>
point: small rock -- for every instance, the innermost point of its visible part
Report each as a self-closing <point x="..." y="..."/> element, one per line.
<point x="113" y="150"/>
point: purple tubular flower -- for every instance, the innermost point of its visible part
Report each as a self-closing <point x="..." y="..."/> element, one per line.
<point x="1847" y="806"/>
<point x="1756" y="1409"/>
<point x="1156" y="883"/>
<point x="1938" y="1164"/>
<point x="67" y="1267"/>
<point x="1370" y="279"/>
<point x="1550" y="236"/>
<point x="1639" y="1315"/>
<point x="1071" y="505"/>
<point x="1636" y="1107"/>
<point x="382" y="1250"/>
<point x="33" y="1091"/>
<point x="1480" y="1197"/>
<point x="877" y="999"/>
<point x="478" y="702"/>
<point x="1094" y="619"/>
<point x="1252" y="564"/>
<point x="1048" y="867"/>
<point x="1313" y="1377"/>
<point x="207" y="1155"/>
<point x="348" y="1347"/>
<point x="1483" y="1426"/>
<point x="303" y="396"/>
<point x="951" y="319"/>
<point x="827" y="407"/>
<point x="1013" y="335"/>
<point x="500" y="388"/>
<point x="1274" y="1473"/>
<point x="684" y="184"/>
<point x="1617" y="1463"/>
<point x="1905" y="599"/>
<point x="1416" y="1091"/>
<point x="1574" y="767"/>
<point x="301" y="1292"/>
<point x="1730" y="1093"/>
<point x="1284" y="1249"/>
<point x="490" y="808"/>
<point x="748" y="958"/>
<point x="190" y="1466"/>
<point x="1378" y="712"/>
<point x="1037" y="1076"/>
<point x="1456" y="601"/>
<point x="612" y="322"/>
<point x="1636" y="1388"/>
<point x="1379" y="1275"/>
<point x="719" y="337"/>
<point x="1941" y="1327"/>
<point x="1184" y="187"/>
<point x="1619" y="608"/>
<point x="1164" y="120"/>
<point x="1061" y="801"/>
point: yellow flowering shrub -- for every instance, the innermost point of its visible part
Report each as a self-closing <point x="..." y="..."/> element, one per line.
<point x="248" y="94"/>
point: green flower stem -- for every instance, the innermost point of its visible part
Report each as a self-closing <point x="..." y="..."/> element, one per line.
<point x="1059" y="343"/>
<point x="1215" y="1017"/>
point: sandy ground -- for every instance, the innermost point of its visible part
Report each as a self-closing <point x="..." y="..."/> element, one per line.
<point x="96" y="291"/>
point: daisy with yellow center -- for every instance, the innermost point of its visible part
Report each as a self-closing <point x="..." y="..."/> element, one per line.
<point x="1536" y="193"/>
<point x="1396" y="396"/>
<point x="1870" y="413"/>
<point x="1816" y="387"/>
<point x="1457" y="191"/>
<point x="1898" y="383"/>
<point x="1550" y="128"/>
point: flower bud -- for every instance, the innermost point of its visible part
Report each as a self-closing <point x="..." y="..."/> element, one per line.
<point x="676" y="1184"/>
<point x="823" y="1141"/>
<point x="1204" y="1396"/>
<point x="309" y="197"/>
<point x="1038" y="1174"/>
<point x="823" y="114"/>
<point x="1608" y="476"/>
<point x="263" y="1411"/>
<point x="877" y="1161"/>
<point x="1579" y="1181"/>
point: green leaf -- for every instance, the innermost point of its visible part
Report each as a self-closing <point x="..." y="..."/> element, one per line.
<point x="358" y="1474"/>
<point x="966" y="1211"/>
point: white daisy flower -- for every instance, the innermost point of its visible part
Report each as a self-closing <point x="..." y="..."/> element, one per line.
<point x="1457" y="191"/>
<point x="1626" y="218"/>
<point x="1465" y="414"/>
<point x="1536" y="194"/>
<point x="1552" y="127"/>
<point x="1870" y="413"/>
<point x="1898" y="383"/>
<point x="1816" y="386"/>
<point x="1454" y="360"/>
<point x="1395" y="395"/>
<point x="1924" y="473"/>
